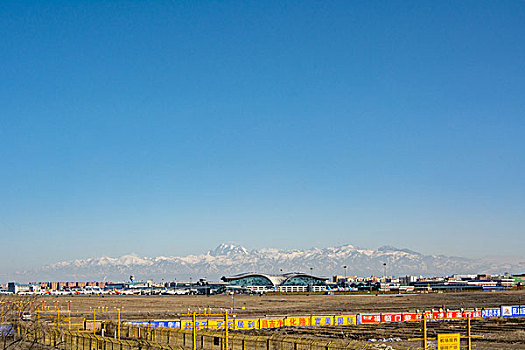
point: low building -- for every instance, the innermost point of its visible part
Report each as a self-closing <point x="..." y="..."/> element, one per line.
<point x="289" y="282"/>
<point x="21" y="288"/>
<point x="128" y="285"/>
<point x="518" y="280"/>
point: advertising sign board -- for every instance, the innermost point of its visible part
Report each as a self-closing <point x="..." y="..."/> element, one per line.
<point x="453" y="314"/>
<point x="412" y="317"/>
<point x="472" y="313"/>
<point x="345" y="320"/>
<point x="448" y="341"/>
<point x="370" y="318"/>
<point x="513" y="311"/>
<point x="297" y="321"/>
<point x="492" y="312"/>
<point x="506" y="311"/>
<point x="518" y="311"/>
<point x="391" y="317"/>
<point x="271" y="322"/>
<point x="246" y="324"/>
<point x="322" y="320"/>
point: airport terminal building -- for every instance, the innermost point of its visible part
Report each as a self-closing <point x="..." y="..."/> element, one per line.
<point x="289" y="282"/>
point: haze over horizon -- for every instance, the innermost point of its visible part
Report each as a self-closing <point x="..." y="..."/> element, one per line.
<point x="231" y="259"/>
<point x="167" y="128"/>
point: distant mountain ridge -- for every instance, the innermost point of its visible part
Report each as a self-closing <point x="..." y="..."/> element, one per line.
<point x="229" y="259"/>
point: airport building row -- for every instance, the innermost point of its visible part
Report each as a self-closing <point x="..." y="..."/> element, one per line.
<point x="276" y="283"/>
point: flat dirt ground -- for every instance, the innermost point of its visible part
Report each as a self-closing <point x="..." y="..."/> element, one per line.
<point x="168" y="306"/>
<point x="497" y="333"/>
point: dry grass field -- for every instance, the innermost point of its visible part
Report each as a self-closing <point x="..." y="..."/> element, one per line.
<point x="497" y="333"/>
<point x="166" y="306"/>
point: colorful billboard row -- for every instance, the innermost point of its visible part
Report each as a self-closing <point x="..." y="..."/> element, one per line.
<point x="261" y="323"/>
<point x="339" y="320"/>
<point x="404" y="317"/>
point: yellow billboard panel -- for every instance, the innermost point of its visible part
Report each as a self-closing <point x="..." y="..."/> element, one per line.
<point x="271" y="322"/>
<point x="219" y="324"/>
<point x="345" y="320"/>
<point x="297" y="321"/>
<point x="321" y="320"/>
<point x="199" y="324"/>
<point x="184" y="324"/>
<point x="448" y="341"/>
<point x="246" y="324"/>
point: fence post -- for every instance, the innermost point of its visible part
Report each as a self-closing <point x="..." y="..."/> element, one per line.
<point x="424" y="331"/>
<point x="468" y="333"/>
<point x="194" y="331"/>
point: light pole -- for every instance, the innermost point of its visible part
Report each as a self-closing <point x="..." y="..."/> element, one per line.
<point x="310" y="284"/>
<point x="384" y="288"/>
<point x="346" y="281"/>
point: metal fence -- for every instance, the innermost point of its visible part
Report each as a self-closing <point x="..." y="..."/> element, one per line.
<point x="135" y="338"/>
<point x="74" y="340"/>
<point x="213" y="340"/>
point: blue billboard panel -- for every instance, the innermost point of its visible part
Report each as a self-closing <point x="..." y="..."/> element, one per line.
<point x="518" y="311"/>
<point x="513" y="311"/>
<point x="167" y="324"/>
<point x="160" y="324"/>
<point x="492" y="312"/>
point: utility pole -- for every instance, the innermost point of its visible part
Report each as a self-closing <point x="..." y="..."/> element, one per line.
<point x="118" y="331"/>
<point x="194" y="331"/>
<point x="226" y="330"/>
<point x="384" y="266"/>
<point x="468" y="333"/>
<point x="310" y="286"/>
<point x="424" y="331"/>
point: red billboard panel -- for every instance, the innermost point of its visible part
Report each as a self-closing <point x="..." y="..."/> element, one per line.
<point x="370" y="318"/>
<point x="391" y="318"/>
<point x="412" y="317"/>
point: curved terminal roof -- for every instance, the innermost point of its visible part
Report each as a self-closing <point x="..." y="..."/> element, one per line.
<point x="276" y="280"/>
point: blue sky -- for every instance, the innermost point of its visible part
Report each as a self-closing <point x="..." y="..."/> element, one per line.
<point x="166" y="128"/>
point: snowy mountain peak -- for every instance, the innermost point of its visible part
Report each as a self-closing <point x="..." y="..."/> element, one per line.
<point x="230" y="259"/>
<point x="225" y="249"/>
<point x="389" y="248"/>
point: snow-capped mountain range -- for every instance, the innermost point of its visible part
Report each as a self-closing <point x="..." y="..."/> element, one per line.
<point x="229" y="259"/>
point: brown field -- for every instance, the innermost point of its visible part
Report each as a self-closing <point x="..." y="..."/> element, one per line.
<point x="497" y="333"/>
<point x="167" y="306"/>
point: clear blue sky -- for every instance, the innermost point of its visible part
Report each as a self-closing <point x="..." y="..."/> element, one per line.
<point x="165" y="128"/>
